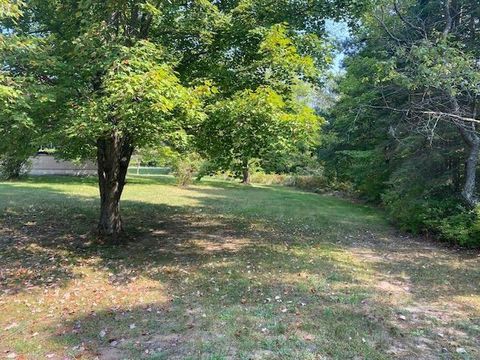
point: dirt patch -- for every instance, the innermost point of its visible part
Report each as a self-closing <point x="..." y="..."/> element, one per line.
<point x="112" y="353"/>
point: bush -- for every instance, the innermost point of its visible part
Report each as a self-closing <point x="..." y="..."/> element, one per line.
<point x="435" y="211"/>
<point x="186" y="168"/>
<point x="269" y="179"/>
<point x="316" y="183"/>
<point x="11" y="167"/>
<point x="406" y="208"/>
<point x="463" y="228"/>
<point x="311" y="183"/>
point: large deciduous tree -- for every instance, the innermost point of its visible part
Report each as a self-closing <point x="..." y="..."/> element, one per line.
<point x="273" y="46"/>
<point x="116" y="84"/>
<point x="252" y="125"/>
<point x="141" y="100"/>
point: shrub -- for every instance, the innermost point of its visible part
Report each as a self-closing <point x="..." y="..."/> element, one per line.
<point x="260" y="177"/>
<point x="311" y="183"/>
<point x="406" y="208"/>
<point x="436" y="211"/>
<point x="463" y="228"/>
<point x="11" y="167"/>
<point x="316" y="183"/>
<point x="186" y="168"/>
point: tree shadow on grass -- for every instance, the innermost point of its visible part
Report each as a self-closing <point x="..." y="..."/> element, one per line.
<point x="46" y="233"/>
<point x="191" y="251"/>
<point x="44" y="236"/>
<point x="190" y="255"/>
<point x="197" y="328"/>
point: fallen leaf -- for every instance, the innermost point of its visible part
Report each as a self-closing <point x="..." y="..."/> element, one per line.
<point x="11" y="326"/>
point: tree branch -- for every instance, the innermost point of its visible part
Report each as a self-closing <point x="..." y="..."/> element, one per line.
<point x="407" y="22"/>
<point x="449" y="21"/>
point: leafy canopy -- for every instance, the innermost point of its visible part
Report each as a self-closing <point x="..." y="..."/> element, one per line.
<point x="253" y="124"/>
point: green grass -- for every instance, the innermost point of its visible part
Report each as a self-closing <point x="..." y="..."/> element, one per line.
<point x="224" y="271"/>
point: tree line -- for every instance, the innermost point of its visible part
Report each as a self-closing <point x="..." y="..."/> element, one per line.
<point x="405" y="130"/>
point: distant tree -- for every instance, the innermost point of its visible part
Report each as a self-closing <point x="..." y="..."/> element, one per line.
<point x="277" y="45"/>
<point x="252" y="125"/>
<point x="259" y="85"/>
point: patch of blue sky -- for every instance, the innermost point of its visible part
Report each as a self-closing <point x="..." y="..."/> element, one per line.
<point x="339" y="33"/>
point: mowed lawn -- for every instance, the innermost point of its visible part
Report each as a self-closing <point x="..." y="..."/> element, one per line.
<point x="225" y="271"/>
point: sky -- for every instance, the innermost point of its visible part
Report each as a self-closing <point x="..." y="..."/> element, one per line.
<point x="339" y="32"/>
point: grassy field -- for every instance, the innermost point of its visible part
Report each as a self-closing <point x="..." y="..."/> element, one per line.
<point x="224" y="271"/>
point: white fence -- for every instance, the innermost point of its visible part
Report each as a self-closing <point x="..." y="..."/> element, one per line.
<point x="44" y="164"/>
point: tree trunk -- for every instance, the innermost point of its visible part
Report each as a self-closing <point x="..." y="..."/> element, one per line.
<point x="468" y="131"/>
<point x="473" y="142"/>
<point x="113" y="156"/>
<point x="469" y="187"/>
<point x="245" y="173"/>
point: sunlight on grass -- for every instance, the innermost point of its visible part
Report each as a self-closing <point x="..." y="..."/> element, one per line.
<point x="223" y="271"/>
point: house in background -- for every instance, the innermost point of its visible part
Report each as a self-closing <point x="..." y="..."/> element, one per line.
<point x="46" y="164"/>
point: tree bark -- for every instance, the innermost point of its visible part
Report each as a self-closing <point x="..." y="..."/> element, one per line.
<point x="113" y="156"/>
<point x="469" y="135"/>
<point x="469" y="188"/>
<point x="245" y="173"/>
